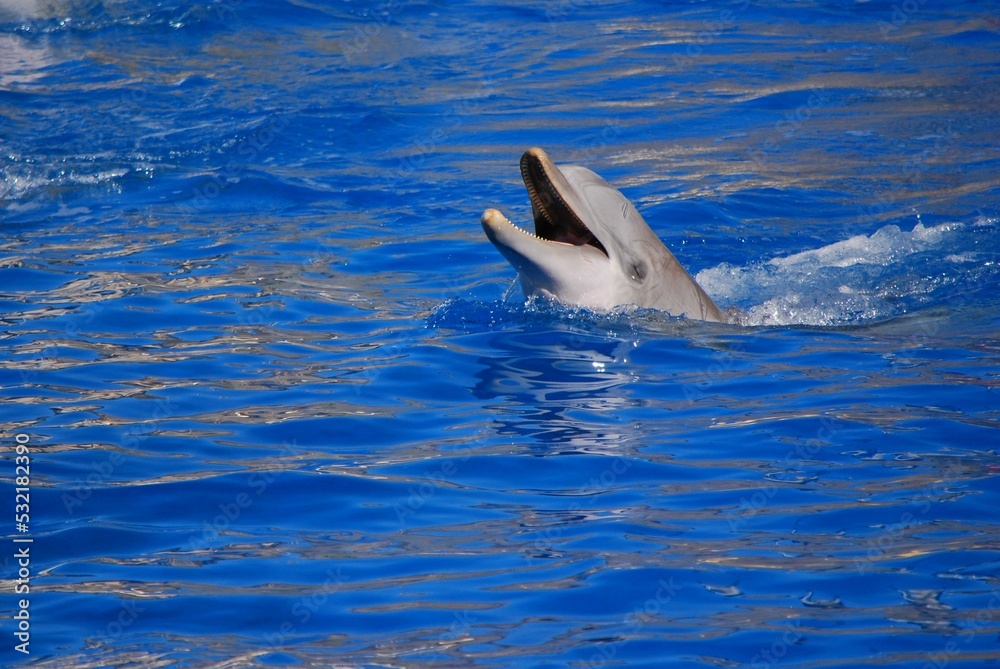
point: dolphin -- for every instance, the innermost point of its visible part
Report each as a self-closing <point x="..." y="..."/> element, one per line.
<point x="591" y="248"/>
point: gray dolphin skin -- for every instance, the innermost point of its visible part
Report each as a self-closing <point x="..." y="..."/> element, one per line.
<point x="591" y="248"/>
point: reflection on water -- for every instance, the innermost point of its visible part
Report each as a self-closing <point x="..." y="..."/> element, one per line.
<point x="22" y="62"/>
<point x="559" y="388"/>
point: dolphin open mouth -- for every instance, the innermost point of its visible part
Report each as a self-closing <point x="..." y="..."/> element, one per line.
<point x="563" y="250"/>
<point x="555" y="220"/>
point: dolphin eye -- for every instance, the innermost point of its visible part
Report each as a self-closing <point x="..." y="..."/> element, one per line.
<point x="639" y="271"/>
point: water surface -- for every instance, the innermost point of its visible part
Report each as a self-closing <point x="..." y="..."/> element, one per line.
<point x="286" y="405"/>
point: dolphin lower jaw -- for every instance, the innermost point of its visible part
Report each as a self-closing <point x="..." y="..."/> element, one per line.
<point x="574" y="274"/>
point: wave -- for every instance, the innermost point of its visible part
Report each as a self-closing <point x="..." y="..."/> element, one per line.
<point x="860" y="279"/>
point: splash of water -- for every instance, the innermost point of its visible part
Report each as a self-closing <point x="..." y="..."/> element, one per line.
<point x="857" y="280"/>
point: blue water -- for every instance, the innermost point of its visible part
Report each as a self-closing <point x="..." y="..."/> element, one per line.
<point x="285" y="405"/>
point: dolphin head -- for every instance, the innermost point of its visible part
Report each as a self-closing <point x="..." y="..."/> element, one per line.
<point x="591" y="248"/>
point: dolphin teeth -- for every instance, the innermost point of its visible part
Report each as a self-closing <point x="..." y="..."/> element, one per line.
<point x="493" y="216"/>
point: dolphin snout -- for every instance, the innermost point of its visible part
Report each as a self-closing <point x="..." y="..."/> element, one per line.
<point x="492" y="217"/>
<point x="493" y="222"/>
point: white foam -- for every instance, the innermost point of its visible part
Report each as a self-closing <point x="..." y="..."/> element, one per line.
<point x="883" y="247"/>
<point x="854" y="280"/>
